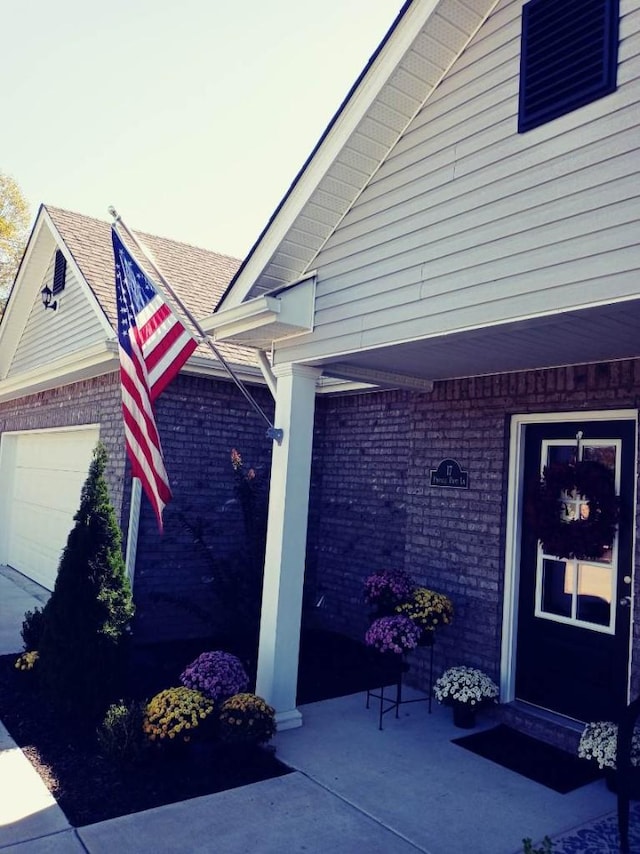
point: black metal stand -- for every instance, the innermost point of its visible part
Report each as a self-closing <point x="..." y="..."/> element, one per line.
<point x="389" y="703"/>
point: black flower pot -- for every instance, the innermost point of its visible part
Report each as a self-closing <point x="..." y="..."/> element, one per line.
<point x="464" y="716"/>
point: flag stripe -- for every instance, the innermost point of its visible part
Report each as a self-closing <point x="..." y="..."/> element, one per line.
<point x="162" y="373"/>
<point x="143" y="442"/>
<point x="154" y="345"/>
<point x="137" y="402"/>
<point x="142" y="424"/>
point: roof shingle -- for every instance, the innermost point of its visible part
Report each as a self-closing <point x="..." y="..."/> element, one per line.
<point x="199" y="277"/>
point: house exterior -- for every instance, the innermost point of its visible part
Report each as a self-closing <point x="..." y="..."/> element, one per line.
<point x="465" y="239"/>
<point x="60" y="393"/>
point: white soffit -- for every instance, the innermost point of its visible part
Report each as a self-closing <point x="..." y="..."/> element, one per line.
<point x="271" y="317"/>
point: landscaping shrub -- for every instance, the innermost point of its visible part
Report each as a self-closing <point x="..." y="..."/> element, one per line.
<point x="120" y="735"/>
<point x="87" y="615"/>
<point x="32" y="629"/>
<point x="246" y="719"/>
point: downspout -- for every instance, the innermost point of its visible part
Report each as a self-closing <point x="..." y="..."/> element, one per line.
<point x="267" y="373"/>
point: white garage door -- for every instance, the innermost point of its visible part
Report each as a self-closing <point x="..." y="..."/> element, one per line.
<point x="41" y="477"/>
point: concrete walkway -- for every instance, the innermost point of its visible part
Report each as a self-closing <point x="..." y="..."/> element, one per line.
<point x="355" y="789"/>
<point x="18" y="594"/>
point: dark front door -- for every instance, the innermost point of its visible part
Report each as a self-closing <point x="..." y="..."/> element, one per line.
<point x="574" y="615"/>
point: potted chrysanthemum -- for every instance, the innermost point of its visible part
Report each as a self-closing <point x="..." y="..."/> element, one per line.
<point x="428" y="610"/>
<point x="216" y="674"/>
<point x="247" y="720"/>
<point x="599" y="743"/>
<point x="385" y="589"/>
<point x="395" y="634"/>
<point x="175" y="715"/>
<point x="465" y="689"/>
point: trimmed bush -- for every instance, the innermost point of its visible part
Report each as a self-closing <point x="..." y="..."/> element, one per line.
<point x="32" y="628"/>
<point x="88" y="613"/>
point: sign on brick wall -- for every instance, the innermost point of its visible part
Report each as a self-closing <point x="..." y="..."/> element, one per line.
<point x="449" y="475"/>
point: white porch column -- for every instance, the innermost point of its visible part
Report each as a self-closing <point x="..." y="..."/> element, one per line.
<point x="286" y="543"/>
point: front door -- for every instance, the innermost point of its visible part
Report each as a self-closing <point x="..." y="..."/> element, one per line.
<point x="574" y="616"/>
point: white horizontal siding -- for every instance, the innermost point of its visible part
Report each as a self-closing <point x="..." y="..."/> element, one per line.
<point x="50" y="335"/>
<point x="469" y="223"/>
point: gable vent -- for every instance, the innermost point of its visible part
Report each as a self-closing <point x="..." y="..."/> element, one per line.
<point x="569" y="57"/>
<point x="59" y="273"/>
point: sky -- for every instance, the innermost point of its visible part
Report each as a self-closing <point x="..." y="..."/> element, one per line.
<point x="191" y="117"/>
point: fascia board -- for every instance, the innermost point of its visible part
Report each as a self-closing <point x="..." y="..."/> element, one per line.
<point x="44" y="240"/>
<point x="268" y="318"/>
<point x="103" y="359"/>
<point x="33" y="267"/>
<point x="95" y="361"/>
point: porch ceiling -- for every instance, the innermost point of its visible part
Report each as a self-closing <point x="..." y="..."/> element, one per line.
<point x="604" y="333"/>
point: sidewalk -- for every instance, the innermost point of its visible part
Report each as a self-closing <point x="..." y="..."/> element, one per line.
<point x="355" y="789"/>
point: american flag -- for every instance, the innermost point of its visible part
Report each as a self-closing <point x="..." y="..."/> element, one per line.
<point x="153" y="346"/>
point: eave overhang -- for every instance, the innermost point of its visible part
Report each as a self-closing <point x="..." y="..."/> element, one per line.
<point x="103" y="359"/>
<point x="264" y="320"/>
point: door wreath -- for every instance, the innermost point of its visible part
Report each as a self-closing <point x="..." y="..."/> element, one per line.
<point x="581" y="538"/>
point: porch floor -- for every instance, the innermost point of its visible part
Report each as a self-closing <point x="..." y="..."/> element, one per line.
<point x="411" y="779"/>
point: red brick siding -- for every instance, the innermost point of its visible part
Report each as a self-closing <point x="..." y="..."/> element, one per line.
<point x="199" y="421"/>
<point x="372" y="505"/>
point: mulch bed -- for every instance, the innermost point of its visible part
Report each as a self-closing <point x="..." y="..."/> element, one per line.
<point x="91" y="788"/>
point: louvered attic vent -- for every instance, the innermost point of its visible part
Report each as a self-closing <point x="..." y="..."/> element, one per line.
<point x="59" y="272"/>
<point x="568" y="58"/>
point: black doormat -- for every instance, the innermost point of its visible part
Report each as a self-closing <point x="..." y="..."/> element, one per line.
<point x="543" y="763"/>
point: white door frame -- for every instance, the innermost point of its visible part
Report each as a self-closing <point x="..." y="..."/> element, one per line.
<point x="513" y="530"/>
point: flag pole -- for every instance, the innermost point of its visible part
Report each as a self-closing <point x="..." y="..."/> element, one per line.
<point x="274" y="433"/>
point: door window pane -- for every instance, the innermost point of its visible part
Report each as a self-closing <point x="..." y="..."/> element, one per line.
<point x="558" y="454"/>
<point x="557" y="587"/>
<point x="594" y="594"/>
<point x="605" y="454"/>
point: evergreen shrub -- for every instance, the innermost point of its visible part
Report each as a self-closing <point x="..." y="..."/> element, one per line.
<point x="87" y="616"/>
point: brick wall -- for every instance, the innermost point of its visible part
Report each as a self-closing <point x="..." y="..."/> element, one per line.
<point x="372" y="505"/>
<point x="359" y="497"/>
<point x="199" y="421"/>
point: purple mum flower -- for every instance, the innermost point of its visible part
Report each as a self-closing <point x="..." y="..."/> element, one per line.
<point x="216" y="674"/>
<point x="393" y="634"/>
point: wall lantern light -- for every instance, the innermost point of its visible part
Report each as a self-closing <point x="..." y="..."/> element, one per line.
<point x="46" y="293"/>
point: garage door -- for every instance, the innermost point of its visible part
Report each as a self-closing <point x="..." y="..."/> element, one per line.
<point x="41" y="477"/>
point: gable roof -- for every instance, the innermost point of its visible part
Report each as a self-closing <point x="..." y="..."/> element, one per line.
<point x="198" y="277"/>
<point x="421" y="46"/>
